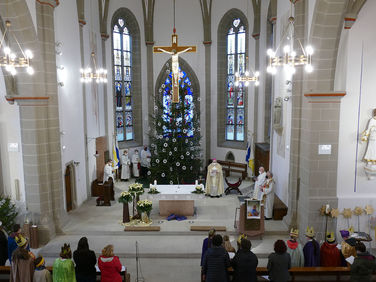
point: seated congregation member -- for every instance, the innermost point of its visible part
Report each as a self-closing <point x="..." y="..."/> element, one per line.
<point x="364" y="265"/>
<point x="3" y="245"/>
<point x="206" y="244"/>
<point x="63" y="268"/>
<point x="311" y="249"/>
<point x="41" y="274"/>
<point x="244" y="263"/>
<point x="216" y="262"/>
<point x="279" y="263"/>
<point x="295" y="249"/>
<point x="22" y="269"/>
<point x="109" y="265"/>
<point x="227" y="244"/>
<point x="329" y="253"/>
<point x="85" y="261"/>
<point x="12" y="245"/>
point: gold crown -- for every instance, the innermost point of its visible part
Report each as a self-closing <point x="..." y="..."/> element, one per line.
<point x="310" y="232"/>
<point x="294" y="232"/>
<point x="351" y="229"/>
<point x="21" y="241"/>
<point x="330" y="237"/>
<point x="241" y="236"/>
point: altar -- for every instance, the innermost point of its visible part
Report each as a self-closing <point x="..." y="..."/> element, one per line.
<point x="175" y="199"/>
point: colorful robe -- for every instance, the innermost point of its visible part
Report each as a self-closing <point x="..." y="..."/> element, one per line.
<point x="330" y="255"/>
<point x="63" y="270"/>
<point x="296" y="252"/>
<point x="311" y="252"/>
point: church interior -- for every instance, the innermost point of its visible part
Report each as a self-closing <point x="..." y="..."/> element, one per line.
<point x="182" y="87"/>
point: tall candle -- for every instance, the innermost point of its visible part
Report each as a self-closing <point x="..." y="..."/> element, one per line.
<point x="155" y="182"/>
<point x="327" y="208"/>
<point x="196" y="183"/>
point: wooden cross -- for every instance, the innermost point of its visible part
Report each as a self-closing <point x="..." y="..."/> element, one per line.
<point x="175" y="50"/>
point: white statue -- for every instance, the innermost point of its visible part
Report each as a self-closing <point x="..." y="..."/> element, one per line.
<point x="214" y="180"/>
<point x="370" y="156"/>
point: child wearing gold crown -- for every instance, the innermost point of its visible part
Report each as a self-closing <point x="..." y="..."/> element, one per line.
<point x="295" y="249"/>
<point x="329" y="253"/>
<point x="311" y="249"/>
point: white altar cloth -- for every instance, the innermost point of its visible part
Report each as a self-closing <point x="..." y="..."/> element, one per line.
<point x="175" y="192"/>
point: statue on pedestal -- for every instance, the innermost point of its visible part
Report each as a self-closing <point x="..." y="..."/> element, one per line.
<point x="369" y="135"/>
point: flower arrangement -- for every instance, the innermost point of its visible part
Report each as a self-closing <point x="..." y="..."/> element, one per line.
<point x="136" y="189"/>
<point x="153" y="190"/>
<point x="125" y="197"/>
<point x="198" y="190"/>
<point x="144" y="206"/>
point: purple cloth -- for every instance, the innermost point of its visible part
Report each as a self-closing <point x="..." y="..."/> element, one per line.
<point x="311" y="252"/>
<point x="206" y="244"/>
<point x="344" y="233"/>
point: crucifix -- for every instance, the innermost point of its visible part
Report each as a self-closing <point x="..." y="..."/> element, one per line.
<point x="175" y="50"/>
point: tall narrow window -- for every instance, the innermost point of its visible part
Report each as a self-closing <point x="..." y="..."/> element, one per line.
<point x="236" y="60"/>
<point x="122" y="62"/>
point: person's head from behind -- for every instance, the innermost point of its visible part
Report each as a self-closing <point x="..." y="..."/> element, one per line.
<point x="16" y="228"/>
<point x="39" y="262"/>
<point x="211" y="233"/>
<point x="226" y="238"/>
<point x="280" y="247"/>
<point x="66" y="252"/>
<point x="217" y="240"/>
<point x="83" y="244"/>
<point x="108" y="251"/>
<point x="245" y="244"/>
<point x="360" y="247"/>
<point x="21" y="241"/>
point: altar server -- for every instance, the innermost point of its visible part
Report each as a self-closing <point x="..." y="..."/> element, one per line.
<point x="214" y="180"/>
<point x="311" y="249"/>
<point x="268" y="191"/>
<point x="295" y="249"/>
<point x="125" y="162"/>
<point x="136" y="164"/>
<point x="108" y="171"/>
<point x="329" y="253"/>
<point x="259" y="182"/>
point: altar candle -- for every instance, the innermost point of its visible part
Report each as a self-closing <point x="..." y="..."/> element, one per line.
<point x="327" y="208"/>
<point x="155" y="182"/>
<point x="196" y="183"/>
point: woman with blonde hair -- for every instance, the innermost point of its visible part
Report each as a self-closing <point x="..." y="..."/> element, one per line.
<point x="227" y="244"/>
<point x="109" y="265"/>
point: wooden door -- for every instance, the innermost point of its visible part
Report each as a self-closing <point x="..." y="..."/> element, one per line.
<point x="68" y="189"/>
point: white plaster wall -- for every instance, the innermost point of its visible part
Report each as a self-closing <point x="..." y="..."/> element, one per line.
<point x="70" y="95"/>
<point x="32" y="10"/>
<point x="11" y="164"/>
<point x="353" y="188"/>
<point x="218" y="11"/>
<point x="280" y="147"/>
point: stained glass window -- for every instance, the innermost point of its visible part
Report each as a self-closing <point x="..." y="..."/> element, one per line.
<point x="165" y="89"/>
<point x="236" y="62"/>
<point x="122" y="62"/>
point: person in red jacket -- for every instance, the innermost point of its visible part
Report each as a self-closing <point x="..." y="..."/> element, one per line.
<point x="329" y="253"/>
<point x="109" y="265"/>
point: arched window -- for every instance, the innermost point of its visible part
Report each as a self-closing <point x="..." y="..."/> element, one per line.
<point x="126" y="78"/>
<point x="232" y="58"/>
<point x="188" y="80"/>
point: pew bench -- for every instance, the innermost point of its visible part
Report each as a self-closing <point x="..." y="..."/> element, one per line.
<point x="229" y="167"/>
<point x="5" y="274"/>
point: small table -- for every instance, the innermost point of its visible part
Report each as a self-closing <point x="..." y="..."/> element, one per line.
<point x="175" y="199"/>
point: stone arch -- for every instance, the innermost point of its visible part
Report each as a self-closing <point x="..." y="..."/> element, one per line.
<point x="134" y="30"/>
<point x="223" y="27"/>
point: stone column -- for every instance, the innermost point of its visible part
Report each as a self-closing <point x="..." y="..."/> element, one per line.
<point x="150" y="80"/>
<point x="207" y="100"/>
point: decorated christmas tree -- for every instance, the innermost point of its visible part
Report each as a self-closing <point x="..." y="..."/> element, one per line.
<point x="175" y="139"/>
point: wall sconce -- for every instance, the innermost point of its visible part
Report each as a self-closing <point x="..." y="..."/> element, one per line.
<point x="61" y="84"/>
<point x="61" y="67"/>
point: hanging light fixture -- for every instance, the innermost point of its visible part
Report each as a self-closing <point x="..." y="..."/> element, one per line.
<point x="246" y="78"/>
<point x="9" y="59"/>
<point x="290" y="58"/>
<point x="87" y="75"/>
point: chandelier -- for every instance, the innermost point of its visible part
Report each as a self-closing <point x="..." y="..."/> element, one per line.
<point x="9" y="60"/>
<point x="290" y="58"/>
<point x="246" y="78"/>
<point x="87" y="75"/>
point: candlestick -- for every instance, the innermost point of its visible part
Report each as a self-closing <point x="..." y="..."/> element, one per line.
<point x="327" y="209"/>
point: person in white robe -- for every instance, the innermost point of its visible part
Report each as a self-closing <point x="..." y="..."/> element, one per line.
<point x="214" y="180"/>
<point x="135" y="162"/>
<point x="259" y="182"/>
<point x="108" y="171"/>
<point x="268" y="191"/>
<point x="125" y="162"/>
<point x="370" y="135"/>
<point x="145" y="162"/>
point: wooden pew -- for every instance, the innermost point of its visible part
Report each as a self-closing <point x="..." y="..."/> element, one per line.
<point x="228" y="167"/>
<point x="5" y="270"/>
